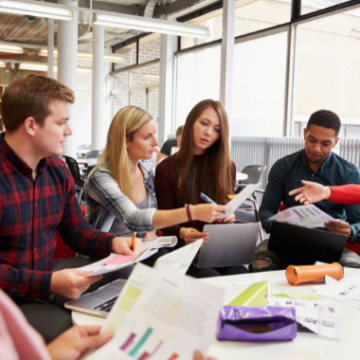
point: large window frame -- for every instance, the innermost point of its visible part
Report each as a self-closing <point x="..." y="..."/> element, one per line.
<point x="147" y="88"/>
<point x="291" y="29"/>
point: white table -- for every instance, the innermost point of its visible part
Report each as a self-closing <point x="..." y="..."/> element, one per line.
<point x="306" y="346"/>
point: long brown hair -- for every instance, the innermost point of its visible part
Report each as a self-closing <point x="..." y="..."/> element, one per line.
<point x="125" y="123"/>
<point x="216" y="173"/>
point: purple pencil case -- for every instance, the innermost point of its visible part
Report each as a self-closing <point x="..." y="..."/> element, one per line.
<point x="260" y="323"/>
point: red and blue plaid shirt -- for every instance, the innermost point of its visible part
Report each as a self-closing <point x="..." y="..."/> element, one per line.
<point x="30" y="213"/>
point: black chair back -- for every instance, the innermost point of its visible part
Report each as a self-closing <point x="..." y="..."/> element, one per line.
<point x="74" y="170"/>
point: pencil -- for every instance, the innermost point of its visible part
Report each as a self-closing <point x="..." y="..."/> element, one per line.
<point x="133" y="240"/>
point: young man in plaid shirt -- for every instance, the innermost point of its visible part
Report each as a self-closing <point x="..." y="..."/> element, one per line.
<point x="37" y="197"/>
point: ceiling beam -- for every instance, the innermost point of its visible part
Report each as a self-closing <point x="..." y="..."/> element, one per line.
<point x="170" y="8"/>
<point x="105" y="6"/>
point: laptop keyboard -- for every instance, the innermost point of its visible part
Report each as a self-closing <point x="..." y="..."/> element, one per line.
<point x="107" y="305"/>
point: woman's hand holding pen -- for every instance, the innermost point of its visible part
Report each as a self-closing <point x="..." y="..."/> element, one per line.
<point x="229" y="219"/>
<point x="208" y="212"/>
<point x="189" y="235"/>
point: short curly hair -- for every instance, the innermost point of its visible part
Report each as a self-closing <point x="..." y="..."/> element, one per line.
<point x="326" y="119"/>
<point x="30" y="96"/>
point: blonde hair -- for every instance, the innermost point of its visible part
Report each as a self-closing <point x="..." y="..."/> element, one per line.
<point x="122" y="128"/>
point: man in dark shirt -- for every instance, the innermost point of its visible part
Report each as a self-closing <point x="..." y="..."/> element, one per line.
<point x="169" y="144"/>
<point x="316" y="162"/>
<point x="37" y="197"/>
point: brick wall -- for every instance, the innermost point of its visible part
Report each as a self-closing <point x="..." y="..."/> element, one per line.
<point x="148" y="76"/>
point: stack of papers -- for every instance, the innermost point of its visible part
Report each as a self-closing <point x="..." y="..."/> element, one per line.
<point x="115" y="262"/>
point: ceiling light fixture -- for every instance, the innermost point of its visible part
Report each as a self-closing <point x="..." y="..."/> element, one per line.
<point x="43" y="67"/>
<point x="11" y="49"/>
<point x="36" y="8"/>
<point x="88" y="56"/>
<point x="150" y="25"/>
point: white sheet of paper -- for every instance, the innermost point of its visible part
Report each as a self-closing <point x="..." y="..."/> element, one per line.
<point x="160" y="315"/>
<point x="346" y="291"/>
<point x="179" y="260"/>
<point x="306" y="311"/>
<point x="240" y="198"/>
<point x="309" y="216"/>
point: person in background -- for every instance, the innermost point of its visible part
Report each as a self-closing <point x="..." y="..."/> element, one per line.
<point x="19" y="341"/>
<point x="119" y="192"/>
<point x="169" y="144"/>
<point x="316" y="162"/>
<point x="314" y="192"/>
<point x="202" y="165"/>
<point x="37" y="198"/>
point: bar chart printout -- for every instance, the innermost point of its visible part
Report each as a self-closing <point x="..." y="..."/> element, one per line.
<point x="161" y="315"/>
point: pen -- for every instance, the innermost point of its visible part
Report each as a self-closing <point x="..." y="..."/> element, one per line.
<point x="209" y="201"/>
<point x="133" y="240"/>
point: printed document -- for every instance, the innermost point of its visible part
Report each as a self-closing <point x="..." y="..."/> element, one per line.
<point x="179" y="260"/>
<point x="161" y="315"/>
<point x="309" y="216"/>
<point x="115" y="261"/>
<point x="240" y="198"/>
<point x="346" y="291"/>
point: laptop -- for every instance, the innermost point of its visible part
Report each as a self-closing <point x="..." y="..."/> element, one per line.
<point x="100" y="301"/>
<point x="298" y="245"/>
<point x="228" y="245"/>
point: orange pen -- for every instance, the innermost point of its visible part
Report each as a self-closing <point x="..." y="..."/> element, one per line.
<point x="133" y="240"/>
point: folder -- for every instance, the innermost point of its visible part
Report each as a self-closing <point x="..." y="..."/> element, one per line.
<point x="258" y="294"/>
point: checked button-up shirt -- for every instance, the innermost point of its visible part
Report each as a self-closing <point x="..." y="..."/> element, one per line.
<point x="31" y="210"/>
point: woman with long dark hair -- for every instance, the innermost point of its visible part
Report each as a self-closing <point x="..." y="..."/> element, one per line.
<point x="202" y="164"/>
<point x="119" y="192"/>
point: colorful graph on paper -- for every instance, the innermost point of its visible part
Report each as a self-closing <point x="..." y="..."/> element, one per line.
<point x="132" y="346"/>
<point x="123" y="307"/>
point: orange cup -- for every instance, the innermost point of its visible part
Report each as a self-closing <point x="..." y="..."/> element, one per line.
<point x="306" y="273"/>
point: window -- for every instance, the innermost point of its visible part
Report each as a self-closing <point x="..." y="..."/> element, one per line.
<point x="328" y="70"/>
<point x="129" y="53"/>
<point x="149" y="48"/>
<point x="259" y="86"/>
<point x="308" y="6"/>
<point x="198" y="78"/>
<point x="138" y="87"/>
<point x="249" y="17"/>
<point x="260" y="15"/>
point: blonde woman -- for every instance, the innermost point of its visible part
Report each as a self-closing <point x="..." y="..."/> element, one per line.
<point x="119" y="192"/>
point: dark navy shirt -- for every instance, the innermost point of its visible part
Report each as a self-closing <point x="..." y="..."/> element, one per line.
<point x="286" y="175"/>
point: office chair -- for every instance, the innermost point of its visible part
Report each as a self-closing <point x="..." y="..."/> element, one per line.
<point x="73" y="167"/>
<point x="254" y="173"/>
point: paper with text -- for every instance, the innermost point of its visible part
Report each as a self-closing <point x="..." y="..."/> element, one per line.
<point x="309" y="216"/>
<point x="240" y="198"/>
<point x="161" y="315"/>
